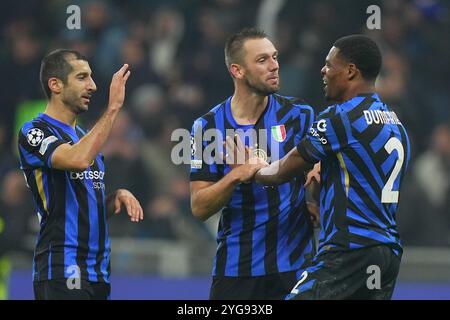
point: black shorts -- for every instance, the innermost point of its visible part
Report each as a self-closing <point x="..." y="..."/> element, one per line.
<point x="58" y="289"/>
<point x="366" y="273"/>
<point x="270" y="287"/>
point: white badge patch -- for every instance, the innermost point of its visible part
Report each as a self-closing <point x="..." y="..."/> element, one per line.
<point x="193" y="148"/>
<point x="196" y="164"/>
<point x="322" y="125"/>
<point x="45" y="144"/>
<point x="35" y="136"/>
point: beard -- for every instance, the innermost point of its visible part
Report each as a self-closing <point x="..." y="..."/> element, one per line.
<point x="74" y="102"/>
<point x="261" y="89"/>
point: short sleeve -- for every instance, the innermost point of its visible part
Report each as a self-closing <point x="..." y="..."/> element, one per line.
<point x="306" y="120"/>
<point x="203" y="164"/>
<point x="327" y="136"/>
<point x="37" y="142"/>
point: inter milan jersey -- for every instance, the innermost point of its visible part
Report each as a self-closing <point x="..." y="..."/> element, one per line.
<point x="73" y="239"/>
<point x="364" y="152"/>
<point x="261" y="230"/>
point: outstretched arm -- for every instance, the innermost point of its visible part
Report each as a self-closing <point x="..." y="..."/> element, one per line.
<point x="283" y="170"/>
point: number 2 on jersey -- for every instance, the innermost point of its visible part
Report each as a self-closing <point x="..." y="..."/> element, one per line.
<point x="387" y="195"/>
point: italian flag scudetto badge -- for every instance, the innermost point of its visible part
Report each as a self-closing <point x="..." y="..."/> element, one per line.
<point x="279" y="133"/>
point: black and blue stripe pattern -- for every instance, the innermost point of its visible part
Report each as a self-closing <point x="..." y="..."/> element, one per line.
<point x="70" y="206"/>
<point x="261" y="230"/>
<point x="364" y="152"/>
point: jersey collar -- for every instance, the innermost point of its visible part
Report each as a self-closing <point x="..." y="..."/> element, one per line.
<point x="55" y="122"/>
<point x="233" y="122"/>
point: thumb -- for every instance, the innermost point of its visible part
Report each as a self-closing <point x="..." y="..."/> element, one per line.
<point x="117" y="205"/>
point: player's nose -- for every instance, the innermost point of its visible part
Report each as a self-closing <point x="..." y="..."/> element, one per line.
<point x="273" y="66"/>
<point x="92" y="86"/>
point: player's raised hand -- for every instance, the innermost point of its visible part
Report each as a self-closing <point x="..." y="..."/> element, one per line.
<point x="117" y="88"/>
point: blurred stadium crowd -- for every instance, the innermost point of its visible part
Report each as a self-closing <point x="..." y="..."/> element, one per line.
<point x="175" y="49"/>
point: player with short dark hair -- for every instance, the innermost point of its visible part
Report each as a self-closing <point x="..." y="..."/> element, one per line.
<point x="65" y="172"/>
<point x="363" y="52"/>
<point x="364" y="152"/>
<point x="234" y="47"/>
<point x="55" y="64"/>
<point x="264" y="234"/>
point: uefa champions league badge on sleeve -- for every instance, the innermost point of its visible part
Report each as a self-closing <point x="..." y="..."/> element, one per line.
<point x="35" y="136"/>
<point x="195" y="163"/>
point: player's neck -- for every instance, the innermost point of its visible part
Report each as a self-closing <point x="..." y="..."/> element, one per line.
<point x="247" y="108"/>
<point x="357" y="89"/>
<point x="57" y="110"/>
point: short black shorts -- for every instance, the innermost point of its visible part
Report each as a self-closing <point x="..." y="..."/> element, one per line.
<point x="270" y="287"/>
<point x="366" y="273"/>
<point x="58" y="289"/>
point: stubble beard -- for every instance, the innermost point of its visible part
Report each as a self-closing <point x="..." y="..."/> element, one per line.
<point x="75" y="104"/>
<point x="261" y="89"/>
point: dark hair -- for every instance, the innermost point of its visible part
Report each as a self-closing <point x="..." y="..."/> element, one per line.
<point x="235" y="44"/>
<point x="55" y="65"/>
<point x="363" y="52"/>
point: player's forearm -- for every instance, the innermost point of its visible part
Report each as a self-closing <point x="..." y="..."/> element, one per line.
<point x="270" y="175"/>
<point x="80" y="155"/>
<point x="208" y="201"/>
<point x="89" y="146"/>
<point x="283" y="170"/>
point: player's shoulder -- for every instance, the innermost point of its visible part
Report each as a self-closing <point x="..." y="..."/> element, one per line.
<point x="210" y="115"/>
<point x="35" y="125"/>
<point x="359" y="103"/>
<point x="353" y="108"/>
<point x="32" y="133"/>
<point x="293" y="103"/>
<point x="330" y="112"/>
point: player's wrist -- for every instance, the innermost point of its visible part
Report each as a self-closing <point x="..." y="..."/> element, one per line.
<point x="114" y="106"/>
<point x="235" y="176"/>
<point x="112" y="110"/>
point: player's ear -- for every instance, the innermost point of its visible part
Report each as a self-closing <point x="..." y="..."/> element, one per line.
<point x="55" y="85"/>
<point x="351" y="71"/>
<point x="236" y="71"/>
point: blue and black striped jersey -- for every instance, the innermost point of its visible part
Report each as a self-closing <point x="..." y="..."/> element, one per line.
<point x="261" y="230"/>
<point x="364" y="152"/>
<point x="73" y="239"/>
